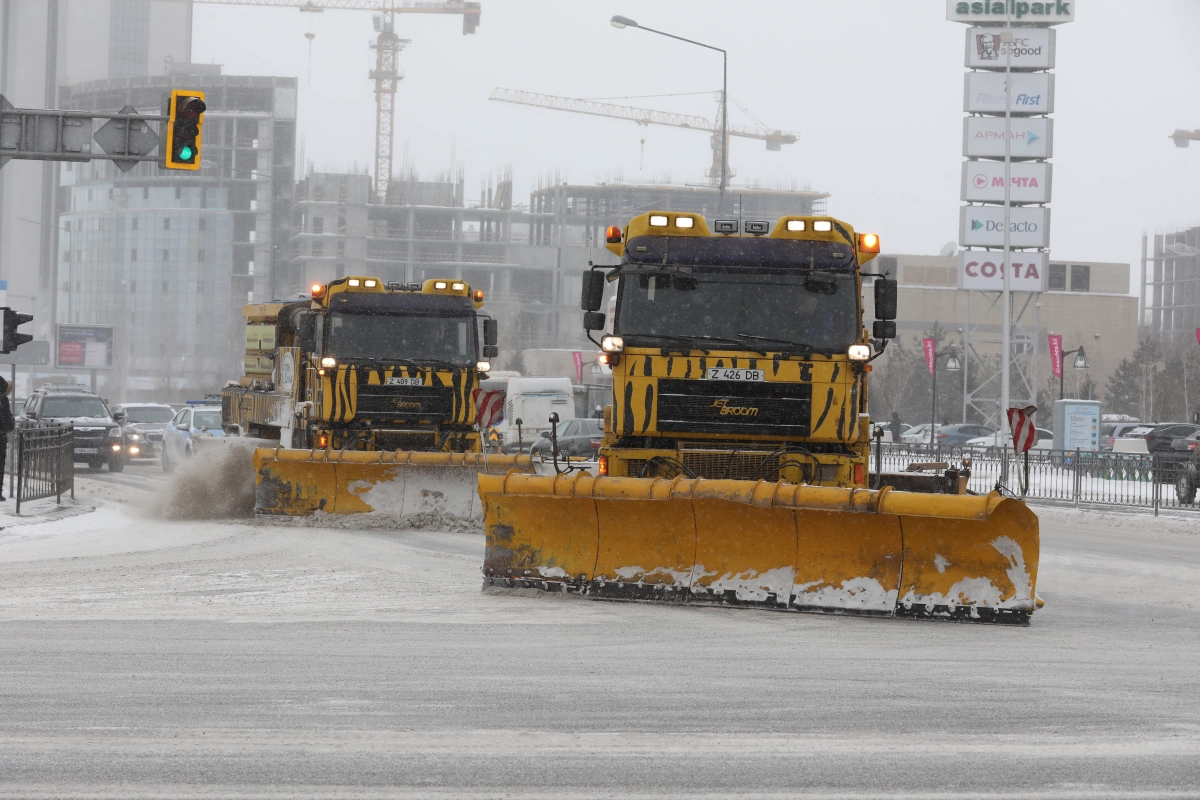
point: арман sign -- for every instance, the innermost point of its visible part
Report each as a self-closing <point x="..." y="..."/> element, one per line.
<point x="1032" y="137"/>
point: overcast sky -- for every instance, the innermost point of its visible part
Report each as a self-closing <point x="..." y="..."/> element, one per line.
<point x="874" y="88"/>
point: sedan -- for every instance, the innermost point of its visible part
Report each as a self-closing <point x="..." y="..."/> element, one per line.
<point x="190" y="422"/>
<point x="1045" y="440"/>
<point x="576" y="437"/>
<point x="1186" y="444"/>
<point x="955" y="435"/>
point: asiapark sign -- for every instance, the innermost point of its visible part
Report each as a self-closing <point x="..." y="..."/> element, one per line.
<point x="983" y="271"/>
<point x="983" y="182"/>
<point x="1020" y="13"/>
<point x="1032" y="93"/>
<point x="983" y="226"/>
<point x="1031" y="48"/>
<point x="1032" y="137"/>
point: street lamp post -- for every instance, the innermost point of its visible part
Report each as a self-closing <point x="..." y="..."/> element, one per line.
<point x="1080" y="362"/>
<point x="625" y="22"/>
<point x="952" y="365"/>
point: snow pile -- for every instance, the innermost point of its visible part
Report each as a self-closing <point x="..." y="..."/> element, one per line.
<point x="217" y="483"/>
<point x="421" y="521"/>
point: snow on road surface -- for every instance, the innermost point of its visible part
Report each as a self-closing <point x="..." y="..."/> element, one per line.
<point x="146" y="657"/>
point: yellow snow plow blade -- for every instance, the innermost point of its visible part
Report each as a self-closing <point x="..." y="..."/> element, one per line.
<point x="805" y="548"/>
<point x="398" y="483"/>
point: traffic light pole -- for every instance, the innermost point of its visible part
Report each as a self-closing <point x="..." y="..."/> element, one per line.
<point x="40" y="134"/>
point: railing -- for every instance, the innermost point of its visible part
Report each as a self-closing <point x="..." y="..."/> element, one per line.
<point x="41" y="463"/>
<point x="1073" y="478"/>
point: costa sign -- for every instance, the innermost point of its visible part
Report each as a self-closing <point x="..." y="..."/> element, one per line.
<point x="983" y="226"/>
<point x="1031" y="48"/>
<point x="1032" y="137"/>
<point x="983" y="270"/>
<point x="1032" y="93"/>
<point x="983" y="182"/>
<point x="1020" y="13"/>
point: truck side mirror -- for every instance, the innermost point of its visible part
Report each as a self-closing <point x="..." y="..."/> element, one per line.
<point x="884" y="329"/>
<point x="490" y="351"/>
<point x="306" y="331"/>
<point x="491" y="332"/>
<point x="593" y="291"/>
<point x="886" y="298"/>
<point x="593" y="321"/>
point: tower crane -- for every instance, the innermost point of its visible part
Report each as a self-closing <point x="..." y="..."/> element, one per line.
<point x="775" y="139"/>
<point x="387" y="46"/>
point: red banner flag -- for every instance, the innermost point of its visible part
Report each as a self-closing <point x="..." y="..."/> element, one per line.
<point x="930" y="346"/>
<point x="1056" y="354"/>
<point x="578" y="357"/>
<point x="1024" y="434"/>
<point x="1197" y="335"/>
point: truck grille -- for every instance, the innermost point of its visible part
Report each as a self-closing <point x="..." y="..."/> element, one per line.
<point x="714" y="406"/>
<point x="405" y="402"/>
<point x="731" y="466"/>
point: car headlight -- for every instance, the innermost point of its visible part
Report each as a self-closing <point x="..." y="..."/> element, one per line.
<point x="135" y="437"/>
<point x="114" y="433"/>
<point x="859" y="352"/>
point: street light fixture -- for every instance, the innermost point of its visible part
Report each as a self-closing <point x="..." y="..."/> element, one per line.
<point x="1080" y="362"/>
<point x="952" y="365"/>
<point x="625" y="22"/>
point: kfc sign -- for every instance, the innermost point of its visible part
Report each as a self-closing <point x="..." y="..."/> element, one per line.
<point x="1031" y="48"/>
<point x="983" y="182"/>
<point x="983" y="270"/>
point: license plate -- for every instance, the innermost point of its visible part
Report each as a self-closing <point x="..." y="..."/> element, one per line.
<point x="87" y="451"/>
<point x="720" y="374"/>
<point x="405" y="382"/>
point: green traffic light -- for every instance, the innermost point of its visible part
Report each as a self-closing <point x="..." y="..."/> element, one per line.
<point x="186" y="153"/>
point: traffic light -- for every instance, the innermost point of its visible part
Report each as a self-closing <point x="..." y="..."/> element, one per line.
<point x="184" y="129"/>
<point x="12" y="321"/>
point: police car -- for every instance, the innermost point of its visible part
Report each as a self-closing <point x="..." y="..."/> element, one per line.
<point x="197" y="418"/>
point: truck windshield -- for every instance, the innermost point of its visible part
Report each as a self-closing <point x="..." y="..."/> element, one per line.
<point x="74" y="407"/>
<point x="390" y="337"/>
<point x="818" y="310"/>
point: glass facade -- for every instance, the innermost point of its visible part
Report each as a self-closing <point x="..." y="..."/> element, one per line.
<point x="128" y="38"/>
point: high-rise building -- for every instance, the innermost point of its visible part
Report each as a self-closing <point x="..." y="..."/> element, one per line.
<point x="170" y="257"/>
<point x="45" y="45"/>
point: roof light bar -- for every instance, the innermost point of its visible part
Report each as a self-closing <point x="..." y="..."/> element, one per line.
<point x="439" y="284"/>
<point x="822" y="225"/>
<point x="685" y="222"/>
<point x="658" y="220"/>
<point x="796" y="224"/>
<point x="757" y="227"/>
<point x="725" y="225"/>
<point x="458" y="286"/>
<point x="354" y="282"/>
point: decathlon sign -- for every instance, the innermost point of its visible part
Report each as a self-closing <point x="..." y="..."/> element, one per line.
<point x="1031" y="48"/>
<point x="1031" y="137"/>
<point x="983" y="271"/>
<point x="983" y="226"/>
<point x="983" y="182"/>
<point x="1019" y="12"/>
<point x="1032" y="93"/>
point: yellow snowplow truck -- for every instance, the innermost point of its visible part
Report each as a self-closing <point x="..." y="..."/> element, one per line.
<point x="363" y="393"/>
<point x="734" y="463"/>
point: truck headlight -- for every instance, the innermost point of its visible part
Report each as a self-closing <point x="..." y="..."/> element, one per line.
<point x="859" y="352"/>
<point x="612" y="344"/>
<point x="483" y="366"/>
<point x="328" y="363"/>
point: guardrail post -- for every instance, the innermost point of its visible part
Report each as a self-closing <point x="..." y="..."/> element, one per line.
<point x="20" y="465"/>
<point x="1078" y="487"/>
<point x="1157" y="486"/>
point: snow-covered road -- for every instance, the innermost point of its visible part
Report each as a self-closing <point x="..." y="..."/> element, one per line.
<point x="140" y="657"/>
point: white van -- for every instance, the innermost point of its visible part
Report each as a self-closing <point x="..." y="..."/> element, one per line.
<point x="531" y="400"/>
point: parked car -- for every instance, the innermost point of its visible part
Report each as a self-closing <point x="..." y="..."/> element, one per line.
<point x="188" y="423"/>
<point x="956" y="435"/>
<point x="1045" y="440"/>
<point x="576" y="437"/>
<point x="142" y="427"/>
<point x="1158" y="442"/>
<point x="1111" y="431"/>
<point x="1187" y="444"/>
<point x="918" y="434"/>
<point x="97" y="434"/>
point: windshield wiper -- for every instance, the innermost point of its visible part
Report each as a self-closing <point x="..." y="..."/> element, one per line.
<point x="802" y="347"/>
<point x="689" y="340"/>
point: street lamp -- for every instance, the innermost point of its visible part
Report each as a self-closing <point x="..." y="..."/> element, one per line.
<point x="1080" y="362"/>
<point x="952" y="365"/>
<point x="625" y="22"/>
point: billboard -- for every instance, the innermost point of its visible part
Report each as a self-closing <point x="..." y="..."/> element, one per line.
<point x="85" y="347"/>
<point x="1020" y="12"/>
<point x="983" y="182"/>
<point x="1031" y="48"/>
<point x="1032" y="93"/>
<point x="1077" y="425"/>
<point x="1032" y="137"/>
<point x="983" y="226"/>
<point x="982" y="271"/>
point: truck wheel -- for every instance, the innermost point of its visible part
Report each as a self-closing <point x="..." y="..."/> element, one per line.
<point x="1185" y="488"/>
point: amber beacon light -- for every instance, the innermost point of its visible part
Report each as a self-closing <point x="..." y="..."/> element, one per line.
<point x="868" y="243"/>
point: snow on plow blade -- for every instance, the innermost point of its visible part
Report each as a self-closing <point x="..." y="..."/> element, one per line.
<point x="401" y="483"/>
<point x="782" y="546"/>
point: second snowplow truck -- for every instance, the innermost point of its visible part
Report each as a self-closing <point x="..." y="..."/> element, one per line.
<point x="734" y="464"/>
<point x="365" y="393"/>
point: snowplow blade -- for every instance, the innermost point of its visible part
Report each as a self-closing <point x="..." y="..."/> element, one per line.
<point x="780" y="546"/>
<point x="401" y="483"/>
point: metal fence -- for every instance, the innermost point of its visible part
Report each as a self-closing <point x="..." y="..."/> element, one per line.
<point x="1071" y="478"/>
<point x="41" y="463"/>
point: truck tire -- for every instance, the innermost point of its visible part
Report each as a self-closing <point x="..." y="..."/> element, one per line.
<point x="1185" y="487"/>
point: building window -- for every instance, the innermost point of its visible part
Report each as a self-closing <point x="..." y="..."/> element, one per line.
<point x="133" y="254"/>
<point x="133" y="286"/>
<point x="166" y="255"/>
<point x="166" y="223"/>
<point x="202" y="221"/>
<point x="1081" y="277"/>
<point x="342" y="224"/>
<point x="67" y="254"/>
<point x="145" y="192"/>
<point x="341" y="249"/>
<point x="178" y="192"/>
<point x="165" y="287"/>
<point x="200" y="255"/>
<point x="1058" y="278"/>
<point x="199" y="286"/>
<point x="318" y="225"/>
<point x="318" y="249"/>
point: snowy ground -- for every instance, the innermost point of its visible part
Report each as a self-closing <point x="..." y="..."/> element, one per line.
<point x="148" y="658"/>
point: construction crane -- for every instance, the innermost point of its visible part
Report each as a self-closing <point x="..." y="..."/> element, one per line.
<point x="387" y="46"/>
<point x="775" y="139"/>
<point x="1182" y="138"/>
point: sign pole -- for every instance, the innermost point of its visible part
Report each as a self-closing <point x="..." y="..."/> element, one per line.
<point x="1006" y="260"/>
